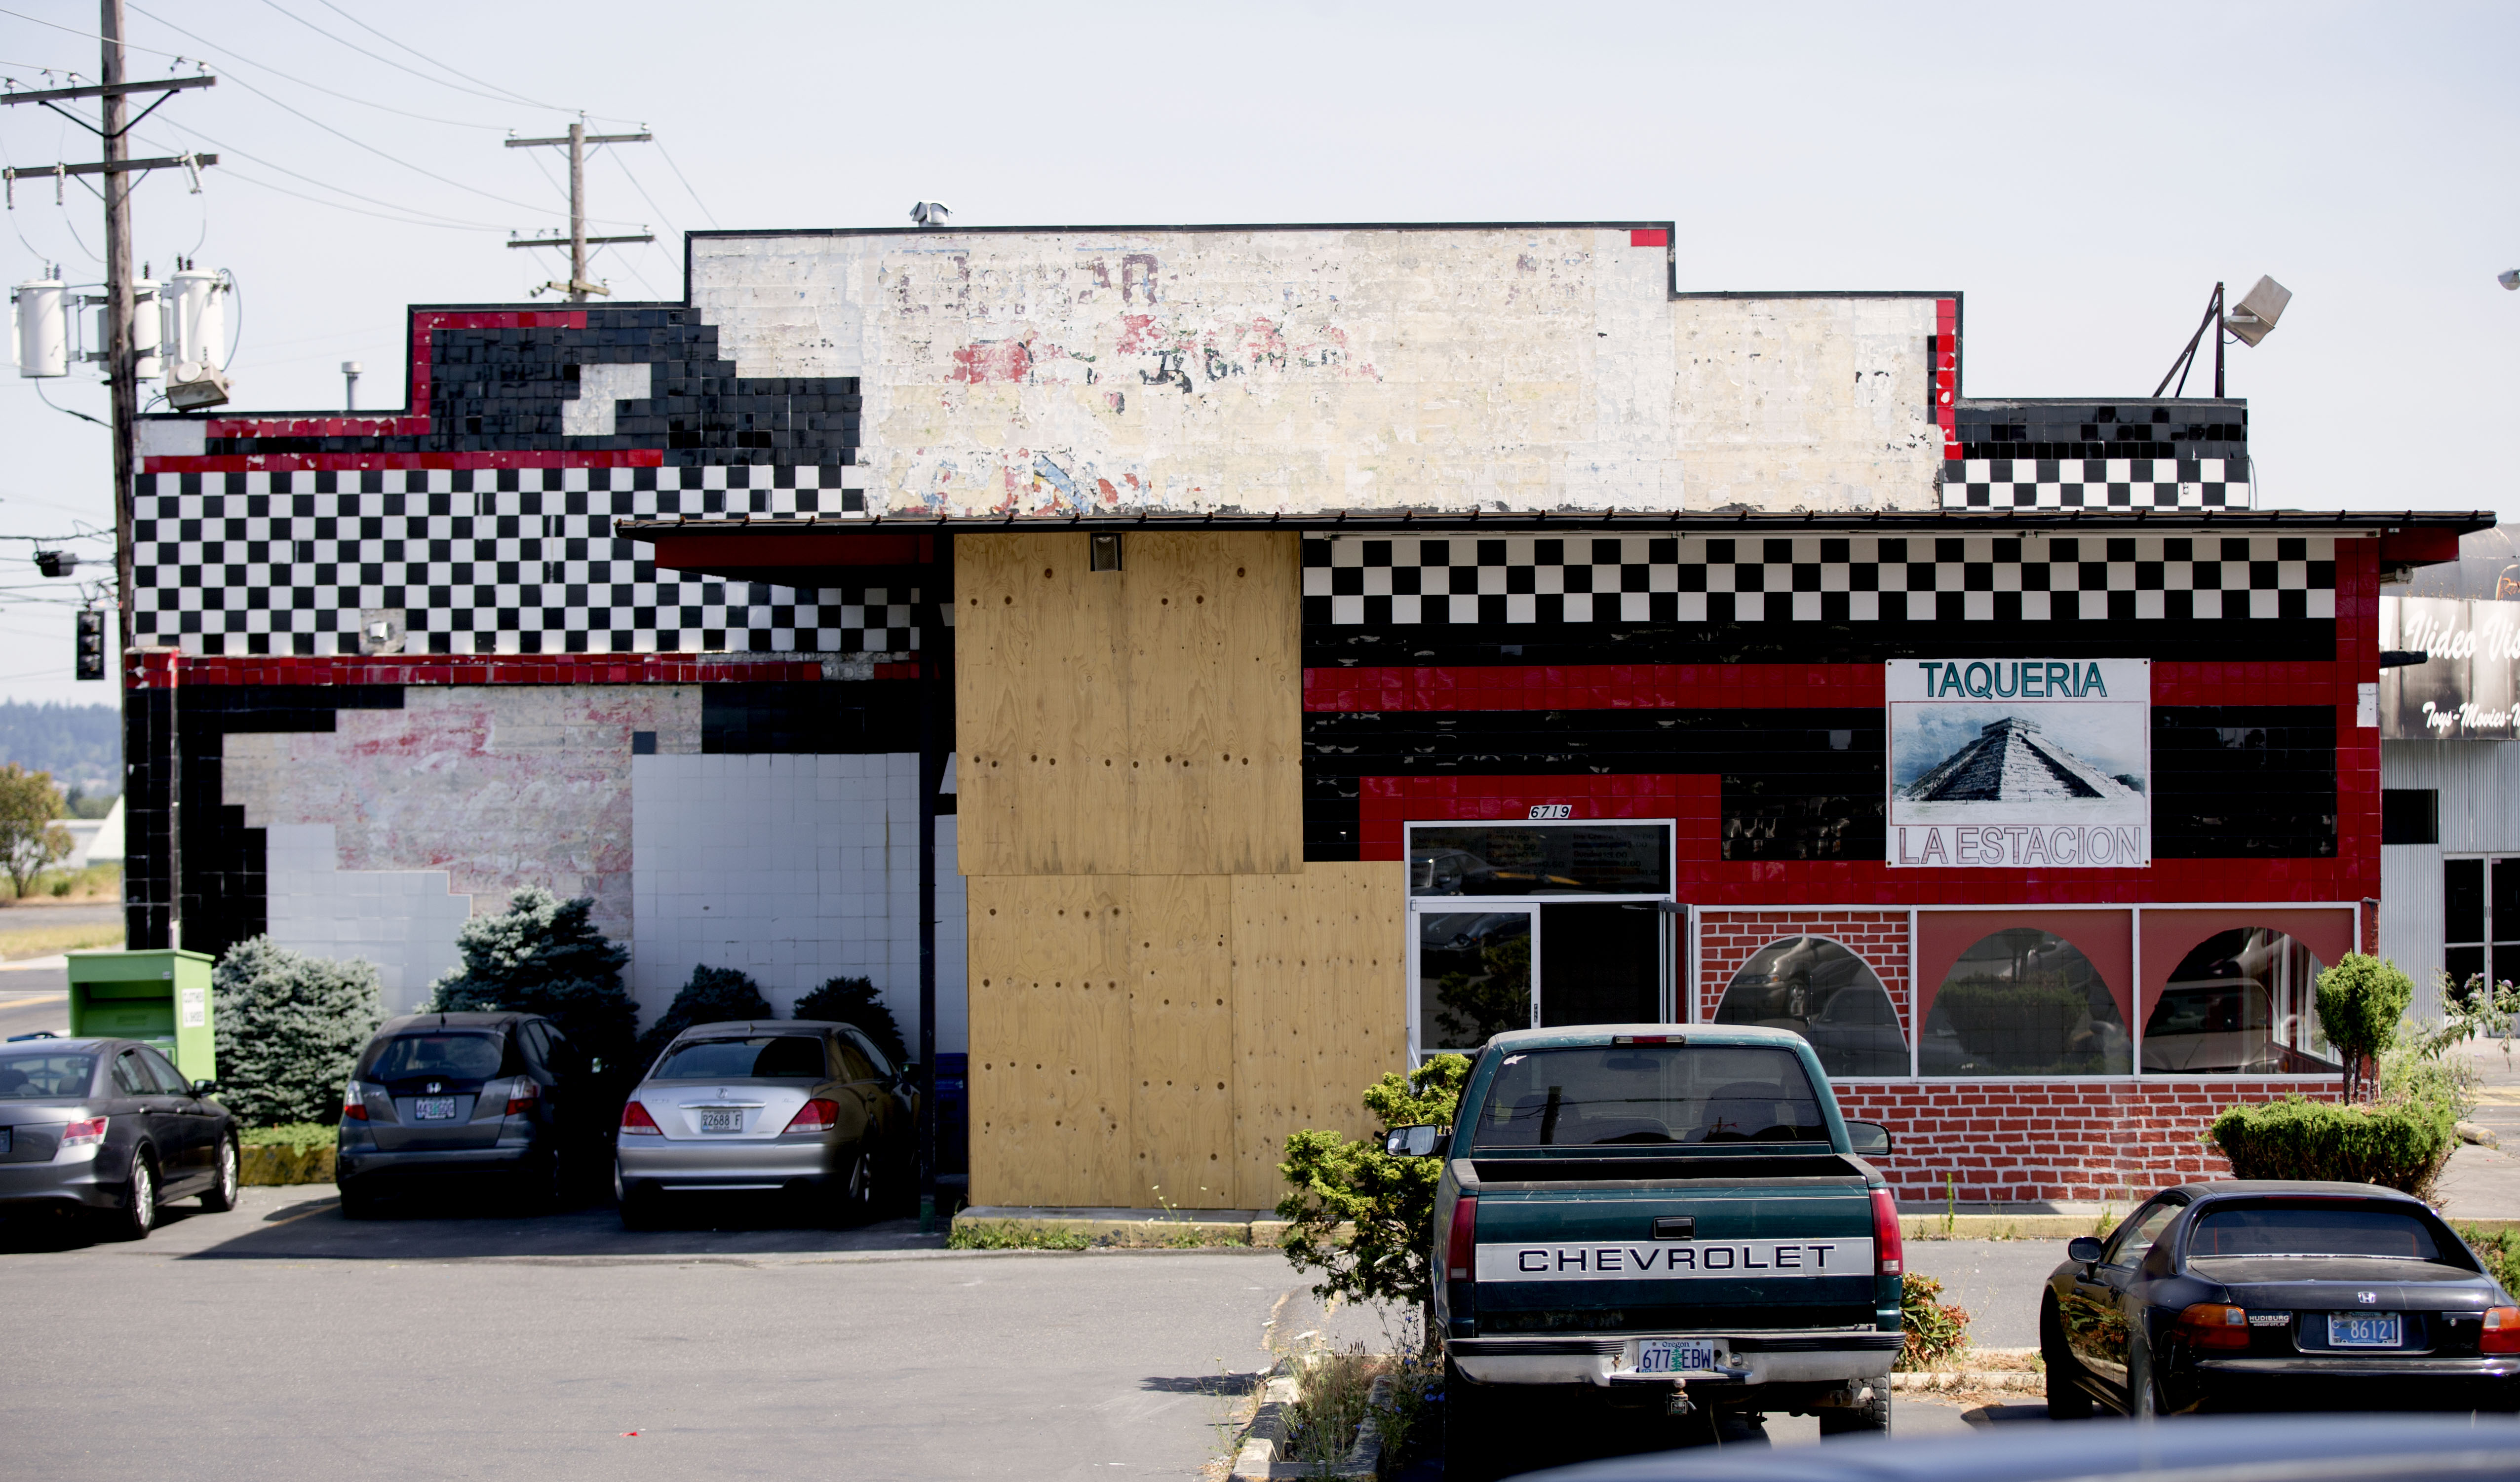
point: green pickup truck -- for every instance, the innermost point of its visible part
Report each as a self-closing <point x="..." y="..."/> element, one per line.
<point x="1661" y="1220"/>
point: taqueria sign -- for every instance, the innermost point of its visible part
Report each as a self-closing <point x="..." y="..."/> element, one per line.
<point x="2020" y="763"/>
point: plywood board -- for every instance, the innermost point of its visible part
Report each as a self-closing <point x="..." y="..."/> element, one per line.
<point x="1318" y="1008"/>
<point x="1041" y="711"/>
<point x="1050" y="1044"/>
<point x="1178" y="934"/>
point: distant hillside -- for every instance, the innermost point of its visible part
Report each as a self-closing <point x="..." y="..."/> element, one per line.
<point x="75" y="744"/>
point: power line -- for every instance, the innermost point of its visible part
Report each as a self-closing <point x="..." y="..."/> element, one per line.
<point x="91" y="35"/>
<point x="413" y="212"/>
<point x="623" y="161"/>
<point x="687" y="184"/>
<point x="500" y="94"/>
<point x="235" y="56"/>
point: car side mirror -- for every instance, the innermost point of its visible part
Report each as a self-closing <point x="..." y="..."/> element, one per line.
<point x="1868" y="1139"/>
<point x="2087" y="1249"/>
<point x="205" y="1087"/>
<point x="1424" y="1140"/>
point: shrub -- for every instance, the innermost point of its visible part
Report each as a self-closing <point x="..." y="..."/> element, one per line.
<point x="1388" y="1203"/>
<point x="2501" y="1253"/>
<point x="296" y="1136"/>
<point x="2400" y="1146"/>
<point x="2361" y="1001"/>
<point x="289" y="1029"/>
<point x="540" y="955"/>
<point x="1936" y="1329"/>
<point x="712" y="994"/>
<point x="853" y="1001"/>
<point x="1013" y="1235"/>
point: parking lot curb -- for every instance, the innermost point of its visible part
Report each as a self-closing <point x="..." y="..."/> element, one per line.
<point x="1154" y="1229"/>
<point x="1258" y="1459"/>
<point x="269" y="1165"/>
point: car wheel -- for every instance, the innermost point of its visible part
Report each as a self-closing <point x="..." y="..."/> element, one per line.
<point x="1869" y="1418"/>
<point x="358" y="1202"/>
<point x="637" y="1205"/>
<point x="139" y="1213"/>
<point x="2067" y="1400"/>
<point x="221" y="1196"/>
<point x="1470" y="1434"/>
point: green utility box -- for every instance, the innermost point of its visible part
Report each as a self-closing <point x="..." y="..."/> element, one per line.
<point x="162" y="997"/>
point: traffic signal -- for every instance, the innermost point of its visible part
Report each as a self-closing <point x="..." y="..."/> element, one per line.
<point x="91" y="644"/>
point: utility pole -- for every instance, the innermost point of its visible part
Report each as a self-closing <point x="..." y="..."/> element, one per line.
<point x="576" y="139"/>
<point x="122" y="366"/>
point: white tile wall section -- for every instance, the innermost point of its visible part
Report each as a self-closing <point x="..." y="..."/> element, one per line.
<point x="796" y="870"/>
<point x="403" y="920"/>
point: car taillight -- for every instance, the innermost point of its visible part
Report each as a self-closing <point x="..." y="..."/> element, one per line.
<point x="2502" y="1330"/>
<point x="1887" y="1245"/>
<point x="1461" y="1244"/>
<point x="522" y="1095"/>
<point x="354" y="1103"/>
<point x="80" y="1133"/>
<point x="634" y="1121"/>
<point x="816" y="1115"/>
<point x="2216" y="1324"/>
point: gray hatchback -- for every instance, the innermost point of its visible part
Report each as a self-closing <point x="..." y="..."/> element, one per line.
<point x="457" y="1096"/>
<point x="110" y="1128"/>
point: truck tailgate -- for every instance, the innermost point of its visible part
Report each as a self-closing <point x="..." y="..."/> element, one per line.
<point x="1688" y="1243"/>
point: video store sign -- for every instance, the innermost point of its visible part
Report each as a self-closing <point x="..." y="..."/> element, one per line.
<point x="2020" y="763"/>
<point x="2468" y="686"/>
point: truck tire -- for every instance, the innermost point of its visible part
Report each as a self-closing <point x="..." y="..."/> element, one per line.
<point x="1471" y="1433"/>
<point x="2067" y="1400"/>
<point x="1869" y="1418"/>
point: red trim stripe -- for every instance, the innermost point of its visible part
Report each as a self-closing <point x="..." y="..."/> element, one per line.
<point x="158" y="669"/>
<point x="1748" y="687"/>
<point x="281" y="463"/>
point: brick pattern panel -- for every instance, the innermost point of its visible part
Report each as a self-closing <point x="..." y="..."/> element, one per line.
<point x="1727" y="939"/>
<point x="2107" y="1141"/>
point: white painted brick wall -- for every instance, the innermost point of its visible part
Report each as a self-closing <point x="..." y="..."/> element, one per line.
<point x="403" y="920"/>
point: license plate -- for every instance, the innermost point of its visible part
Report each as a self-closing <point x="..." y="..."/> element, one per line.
<point x="2364" y="1330"/>
<point x="1679" y="1356"/>
<point x="433" y="1109"/>
<point x="729" y="1120"/>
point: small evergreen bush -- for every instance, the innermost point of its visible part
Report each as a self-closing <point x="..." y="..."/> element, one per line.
<point x="541" y="955"/>
<point x="289" y="1029"/>
<point x="2401" y="1145"/>
<point x="712" y="994"/>
<point x="853" y="1001"/>
<point x="1388" y="1203"/>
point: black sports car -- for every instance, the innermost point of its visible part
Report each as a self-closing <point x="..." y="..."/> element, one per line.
<point x="2277" y="1296"/>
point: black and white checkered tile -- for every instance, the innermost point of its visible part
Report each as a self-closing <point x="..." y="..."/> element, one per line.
<point x="522" y="561"/>
<point x="2097" y="483"/>
<point x="1378" y="580"/>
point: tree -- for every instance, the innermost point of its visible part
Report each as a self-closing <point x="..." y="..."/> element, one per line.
<point x="29" y="840"/>
<point x="2361" y="1001"/>
<point x="853" y="1001"/>
<point x="1388" y="1203"/>
<point x="712" y="994"/>
<point x="541" y="955"/>
<point x="289" y="1028"/>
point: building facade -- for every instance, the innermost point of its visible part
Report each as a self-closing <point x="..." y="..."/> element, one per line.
<point x="1302" y="650"/>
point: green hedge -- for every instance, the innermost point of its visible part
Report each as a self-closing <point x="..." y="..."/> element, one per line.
<point x="2401" y="1147"/>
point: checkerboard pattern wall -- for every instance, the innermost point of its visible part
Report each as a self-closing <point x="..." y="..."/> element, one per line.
<point x="1400" y="580"/>
<point x="2097" y="483"/>
<point x="481" y="562"/>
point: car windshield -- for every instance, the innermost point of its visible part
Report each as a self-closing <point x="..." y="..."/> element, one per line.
<point x="39" y="1077"/>
<point x="768" y="1056"/>
<point x="457" y="1055"/>
<point x="1597" y="1096"/>
<point x="2313" y="1229"/>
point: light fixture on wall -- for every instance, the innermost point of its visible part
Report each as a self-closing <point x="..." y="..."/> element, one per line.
<point x="1105" y="553"/>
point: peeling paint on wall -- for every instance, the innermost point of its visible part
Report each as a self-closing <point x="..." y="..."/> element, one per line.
<point x="1308" y="369"/>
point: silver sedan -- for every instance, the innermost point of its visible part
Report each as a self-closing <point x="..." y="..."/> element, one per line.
<point x="796" y="1107"/>
<point x="110" y="1128"/>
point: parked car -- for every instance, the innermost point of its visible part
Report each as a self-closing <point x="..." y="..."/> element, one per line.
<point x="795" y="1107"/>
<point x="1655" y="1219"/>
<point x="110" y="1128"/>
<point x="2277" y="1296"/>
<point x="470" y="1097"/>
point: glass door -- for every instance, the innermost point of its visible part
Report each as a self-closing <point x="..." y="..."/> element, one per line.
<point x="1473" y="973"/>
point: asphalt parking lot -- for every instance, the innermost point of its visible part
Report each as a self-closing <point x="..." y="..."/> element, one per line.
<point x="300" y="1345"/>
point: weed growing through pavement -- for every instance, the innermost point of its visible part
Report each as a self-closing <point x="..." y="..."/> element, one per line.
<point x="1013" y="1235"/>
<point x="1332" y="1390"/>
<point x="1407" y="1418"/>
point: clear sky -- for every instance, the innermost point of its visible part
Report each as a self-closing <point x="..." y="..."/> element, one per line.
<point x="2082" y="174"/>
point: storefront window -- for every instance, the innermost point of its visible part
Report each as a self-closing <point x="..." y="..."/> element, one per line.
<point x="2024" y="1002"/>
<point x="1825" y="993"/>
<point x="1473" y="977"/>
<point x="2243" y="1001"/>
<point x="1519" y="859"/>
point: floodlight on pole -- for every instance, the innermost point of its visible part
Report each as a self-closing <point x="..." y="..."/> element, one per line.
<point x="2250" y="320"/>
<point x="2509" y="278"/>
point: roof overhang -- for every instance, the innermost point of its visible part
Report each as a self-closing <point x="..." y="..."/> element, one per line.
<point x="819" y="550"/>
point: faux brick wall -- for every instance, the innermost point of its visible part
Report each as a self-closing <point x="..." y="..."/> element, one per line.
<point x="2109" y="1141"/>
<point x="1727" y="939"/>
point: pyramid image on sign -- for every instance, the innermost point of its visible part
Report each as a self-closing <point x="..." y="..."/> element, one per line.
<point x="2010" y="762"/>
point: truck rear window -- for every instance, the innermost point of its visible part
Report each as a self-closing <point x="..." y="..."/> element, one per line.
<point x="1601" y="1095"/>
<point x="2313" y="1229"/>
